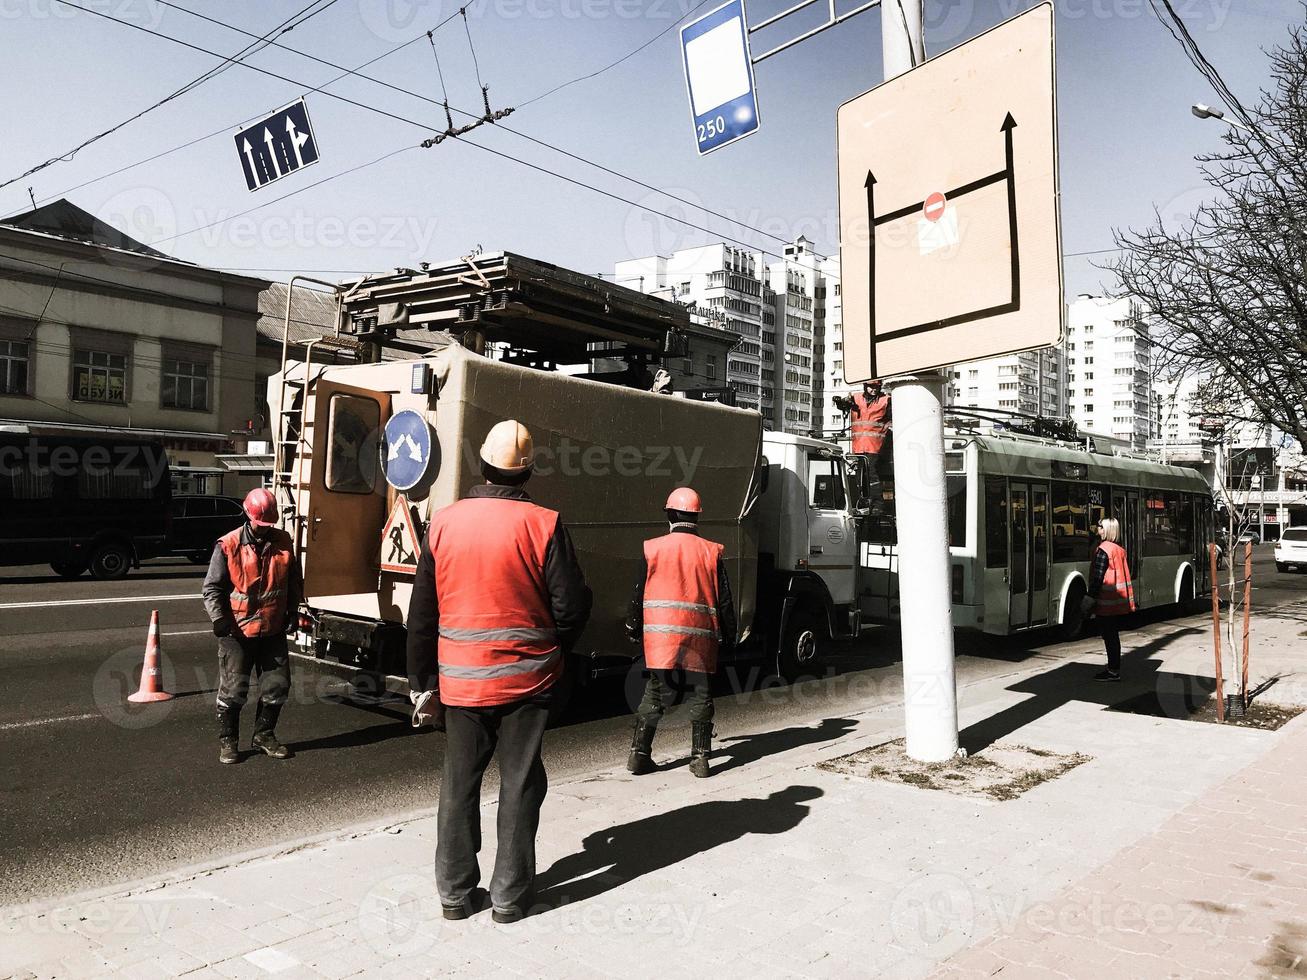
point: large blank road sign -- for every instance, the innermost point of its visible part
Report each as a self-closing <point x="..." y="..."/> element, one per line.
<point x="950" y="245"/>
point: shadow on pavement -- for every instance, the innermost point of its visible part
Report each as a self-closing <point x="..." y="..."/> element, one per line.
<point x="742" y="750"/>
<point x="1141" y="674"/>
<point x="359" y="736"/>
<point x="612" y="857"/>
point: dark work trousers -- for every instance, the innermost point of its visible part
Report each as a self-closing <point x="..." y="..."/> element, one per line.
<point x="511" y="733"/>
<point x="661" y="689"/>
<point x="1110" y="628"/>
<point x="264" y="656"/>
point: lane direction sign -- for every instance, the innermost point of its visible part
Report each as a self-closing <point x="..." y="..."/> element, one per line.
<point x="719" y="77"/>
<point x="408" y="449"/>
<point x="277" y="145"/>
<point x="950" y="239"/>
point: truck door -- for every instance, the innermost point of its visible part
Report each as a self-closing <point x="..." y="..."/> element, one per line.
<point x="347" y="491"/>
<point x="832" y="534"/>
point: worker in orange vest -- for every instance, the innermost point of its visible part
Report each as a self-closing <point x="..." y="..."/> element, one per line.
<point x="683" y="613"/>
<point x="498" y="601"/>
<point x="870" y="420"/>
<point x="1111" y="593"/>
<point x="252" y="594"/>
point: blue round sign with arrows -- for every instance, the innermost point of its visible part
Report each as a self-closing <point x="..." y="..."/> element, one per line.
<point x="408" y="449"/>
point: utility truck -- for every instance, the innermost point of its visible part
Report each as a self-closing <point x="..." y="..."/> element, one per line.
<point x="368" y="451"/>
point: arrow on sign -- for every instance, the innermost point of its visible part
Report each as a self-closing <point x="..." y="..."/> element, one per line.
<point x="249" y="155"/>
<point x="1010" y="124"/>
<point x="272" y="150"/>
<point x="297" y="141"/>
<point x="870" y="185"/>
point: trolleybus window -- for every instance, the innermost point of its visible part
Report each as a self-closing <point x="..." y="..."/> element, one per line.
<point x="995" y="522"/>
<point x="1071" y="537"/>
<point x="353" y="423"/>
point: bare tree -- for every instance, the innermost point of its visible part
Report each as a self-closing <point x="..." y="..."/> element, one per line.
<point x="1226" y="292"/>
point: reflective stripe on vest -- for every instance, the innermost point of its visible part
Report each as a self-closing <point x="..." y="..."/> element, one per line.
<point x="869" y="423"/>
<point x="680" y="603"/>
<point x="497" y="641"/>
<point x="1117" y="595"/>
<point x="259" y="582"/>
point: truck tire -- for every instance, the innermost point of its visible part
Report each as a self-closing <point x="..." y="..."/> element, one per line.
<point x="802" y="644"/>
<point x="68" y="568"/>
<point x="111" y="561"/>
<point x="1073" y="617"/>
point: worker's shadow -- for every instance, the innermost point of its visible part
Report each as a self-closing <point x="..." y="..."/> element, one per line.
<point x="742" y="750"/>
<point x="612" y="857"/>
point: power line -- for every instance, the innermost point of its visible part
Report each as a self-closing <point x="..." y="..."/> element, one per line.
<point x="282" y="28"/>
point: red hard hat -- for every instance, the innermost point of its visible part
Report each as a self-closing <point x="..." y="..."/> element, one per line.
<point x="261" y="507"/>
<point x="685" y="500"/>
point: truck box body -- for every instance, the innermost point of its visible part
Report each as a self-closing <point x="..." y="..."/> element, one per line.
<point x="607" y="457"/>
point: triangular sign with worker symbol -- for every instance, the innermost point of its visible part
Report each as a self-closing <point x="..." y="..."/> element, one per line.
<point x="399" y="540"/>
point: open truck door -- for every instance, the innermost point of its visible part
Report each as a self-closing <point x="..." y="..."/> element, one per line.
<point x="347" y="490"/>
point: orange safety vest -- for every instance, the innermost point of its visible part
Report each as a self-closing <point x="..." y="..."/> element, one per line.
<point x="498" y="643"/>
<point x="259" y="582"/>
<point x="680" y="603"/>
<point x="869" y="423"/>
<point x="1117" y="596"/>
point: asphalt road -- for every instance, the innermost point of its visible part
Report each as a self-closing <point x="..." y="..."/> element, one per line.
<point x="94" y="791"/>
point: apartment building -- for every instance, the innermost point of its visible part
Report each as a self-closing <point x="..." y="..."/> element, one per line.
<point x="1108" y="378"/>
<point x="795" y="280"/>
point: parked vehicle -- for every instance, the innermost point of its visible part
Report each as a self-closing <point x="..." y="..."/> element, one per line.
<point x="782" y="505"/>
<point x="200" y="520"/>
<point x="1291" y="550"/>
<point x="80" y="501"/>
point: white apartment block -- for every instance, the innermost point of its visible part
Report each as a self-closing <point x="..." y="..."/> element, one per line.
<point x="1108" y="357"/>
<point x="795" y="280"/>
<point x="1032" y="383"/>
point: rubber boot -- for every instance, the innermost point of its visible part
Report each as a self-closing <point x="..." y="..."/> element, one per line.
<point x="229" y="720"/>
<point x="265" y="720"/>
<point x="700" y="748"/>
<point x="640" y="761"/>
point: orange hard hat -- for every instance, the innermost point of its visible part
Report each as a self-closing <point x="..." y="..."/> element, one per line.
<point x="261" y="507"/>
<point x="509" y="447"/>
<point x="685" y="500"/>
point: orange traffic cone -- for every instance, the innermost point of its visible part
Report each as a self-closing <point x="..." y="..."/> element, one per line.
<point x="151" y="676"/>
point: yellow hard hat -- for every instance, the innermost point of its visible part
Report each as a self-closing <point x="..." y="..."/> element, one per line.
<point x="508" y="447"/>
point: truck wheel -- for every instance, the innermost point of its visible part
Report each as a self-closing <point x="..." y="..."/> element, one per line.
<point x="801" y="645"/>
<point x="111" y="561"/>
<point x="68" y="569"/>
<point x="1281" y="566"/>
<point x="1073" y="617"/>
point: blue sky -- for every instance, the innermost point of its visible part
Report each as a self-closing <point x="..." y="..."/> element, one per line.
<point x="1127" y="137"/>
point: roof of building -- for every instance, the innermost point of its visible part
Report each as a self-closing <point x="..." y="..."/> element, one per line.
<point x="312" y="313"/>
<point x="63" y="219"/>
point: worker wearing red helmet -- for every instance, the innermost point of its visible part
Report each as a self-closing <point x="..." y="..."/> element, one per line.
<point x="252" y="594"/>
<point x="683" y="614"/>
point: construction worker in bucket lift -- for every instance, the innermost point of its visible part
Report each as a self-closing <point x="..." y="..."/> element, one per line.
<point x="498" y="601"/>
<point x="683" y="613"/>
<point x="869" y="415"/>
<point x="252" y="594"/>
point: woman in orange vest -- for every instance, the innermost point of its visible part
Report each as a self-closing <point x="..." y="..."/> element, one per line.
<point x="1111" y="592"/>
<point x="252" y="594"/>
<point x="682" y="612"/>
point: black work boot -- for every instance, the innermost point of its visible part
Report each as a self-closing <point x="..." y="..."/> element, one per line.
<point x="700" y="747"/>
<point x="265" y="720"/>
<point x="229" y="720"/>
<point x="640" y="761"/>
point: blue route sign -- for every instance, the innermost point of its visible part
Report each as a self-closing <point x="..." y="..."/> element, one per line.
<point x="276" y="146"/>
<point x="408" y="449"/>
<point x="719" y="77"/>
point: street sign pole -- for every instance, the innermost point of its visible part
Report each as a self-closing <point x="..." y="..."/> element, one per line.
<point x="920" y="498"/>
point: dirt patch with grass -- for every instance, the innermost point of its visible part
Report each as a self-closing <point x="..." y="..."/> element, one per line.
<point x="1265" y="715"/>
<point x="999" y="772"/>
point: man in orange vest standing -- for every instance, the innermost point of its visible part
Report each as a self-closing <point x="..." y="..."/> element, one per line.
<point x="498" y="601"/>
<point x="869" y="427"/>
<point x="252" y="594"/>
<point x="1111" y="593"/>
<point x="682" y="610"/>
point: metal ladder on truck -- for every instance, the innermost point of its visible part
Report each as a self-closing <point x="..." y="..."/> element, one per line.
<point x="294" y="442"/>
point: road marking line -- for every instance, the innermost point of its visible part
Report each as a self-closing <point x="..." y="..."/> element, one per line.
<point x="186" y="632"/>
<point x="48" y="721"/>
<point x="97" y="602"/>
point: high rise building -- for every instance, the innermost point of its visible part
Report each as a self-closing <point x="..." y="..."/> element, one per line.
<point x="795" y="281"/>
<point x="1108" y="360"/>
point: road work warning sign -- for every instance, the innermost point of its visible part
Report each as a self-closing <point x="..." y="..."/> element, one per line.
<point x="399" y="540"/>
<point x="950" y="244"/>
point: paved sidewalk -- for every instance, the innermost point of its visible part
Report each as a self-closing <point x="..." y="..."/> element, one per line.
<point x="776" y="868"/>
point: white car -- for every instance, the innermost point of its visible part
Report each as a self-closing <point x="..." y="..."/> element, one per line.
<point x="1291" y="549"/>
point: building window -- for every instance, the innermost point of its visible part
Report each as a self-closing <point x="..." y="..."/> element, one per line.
<point x="14" y="369"/>
<point x="99" y="376"/>
<point x="185" y="384"/>
<point x="710" y="368"/>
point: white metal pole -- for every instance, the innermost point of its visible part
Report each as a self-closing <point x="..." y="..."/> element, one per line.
<point x="920" y="498"/>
